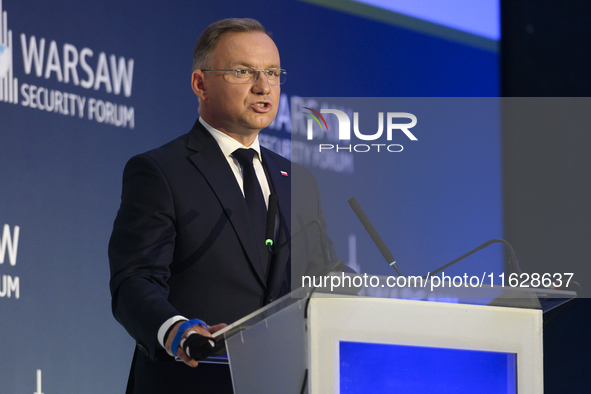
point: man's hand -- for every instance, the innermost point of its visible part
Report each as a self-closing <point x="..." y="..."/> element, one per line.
<point x="199" y="329"/>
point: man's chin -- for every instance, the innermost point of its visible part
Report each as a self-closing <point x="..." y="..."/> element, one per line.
<point x="261" y="122"/>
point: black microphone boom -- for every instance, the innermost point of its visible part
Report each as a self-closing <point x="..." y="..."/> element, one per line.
<point x="269" y="235"/>
<point x="325" y="257"/>
<point x="513" y="262"/>
<point x="271" y="214"/>
<point x="373" y="233"/>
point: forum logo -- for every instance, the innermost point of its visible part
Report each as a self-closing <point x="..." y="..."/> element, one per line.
<point x="344" y="131"/>
<point x="52" y="62"/>
<point x="8" y="84"/>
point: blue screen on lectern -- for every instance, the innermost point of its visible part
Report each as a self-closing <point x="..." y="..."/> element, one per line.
<point x="385" y="368"/>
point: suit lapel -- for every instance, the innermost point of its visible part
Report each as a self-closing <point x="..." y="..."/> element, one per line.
<point x="210" y="161"/>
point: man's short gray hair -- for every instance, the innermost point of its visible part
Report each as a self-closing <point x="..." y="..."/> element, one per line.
<point x="210" y="37"/>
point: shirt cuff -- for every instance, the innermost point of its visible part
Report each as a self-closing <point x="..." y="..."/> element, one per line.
<point x="166" y="326"/>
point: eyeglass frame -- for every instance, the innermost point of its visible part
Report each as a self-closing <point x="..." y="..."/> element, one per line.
<point x="281" y="71"/>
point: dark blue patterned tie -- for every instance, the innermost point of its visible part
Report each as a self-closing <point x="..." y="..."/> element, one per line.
<point x="254" y="200"/>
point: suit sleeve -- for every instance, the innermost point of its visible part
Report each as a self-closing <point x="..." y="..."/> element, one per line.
<point x="140" y="253"/>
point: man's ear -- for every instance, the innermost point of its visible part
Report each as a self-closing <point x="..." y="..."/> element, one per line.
<point x="198" y="85"/>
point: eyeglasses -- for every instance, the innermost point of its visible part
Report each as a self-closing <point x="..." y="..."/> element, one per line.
<point x="274" y="76"/>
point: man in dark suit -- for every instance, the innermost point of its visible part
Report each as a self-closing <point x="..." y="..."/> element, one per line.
<point x="187" y="240"/>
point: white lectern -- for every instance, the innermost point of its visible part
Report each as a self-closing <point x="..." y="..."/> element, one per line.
<point x="384" y="339"/>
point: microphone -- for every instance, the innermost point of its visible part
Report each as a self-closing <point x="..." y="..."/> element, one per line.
<point x="271" y="214"/>
<point x="375" y="236"/>
<point x="199" y="347"/>
<point x="273" y="250"/>
<point x="373" y="233"/>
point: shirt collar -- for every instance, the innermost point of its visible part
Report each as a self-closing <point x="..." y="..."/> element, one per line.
<point x="228" y="144"/>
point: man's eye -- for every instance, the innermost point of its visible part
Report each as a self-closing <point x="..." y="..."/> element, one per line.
<point x="272" y="73"/>
<point x="242" y="71"/>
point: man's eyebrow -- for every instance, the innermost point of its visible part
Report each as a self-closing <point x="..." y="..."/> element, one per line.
<point x="246" y="64"/>
<point x="240" y="63"/>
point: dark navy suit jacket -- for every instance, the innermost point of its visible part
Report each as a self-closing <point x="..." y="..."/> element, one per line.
<point x="182" y="244"/>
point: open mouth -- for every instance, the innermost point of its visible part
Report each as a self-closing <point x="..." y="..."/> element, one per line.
<point x="261" y="107"/>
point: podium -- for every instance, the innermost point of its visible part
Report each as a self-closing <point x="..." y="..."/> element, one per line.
<point x="392" y="339"/>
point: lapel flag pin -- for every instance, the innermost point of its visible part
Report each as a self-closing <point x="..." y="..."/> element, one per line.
<point x="284" y="173"/>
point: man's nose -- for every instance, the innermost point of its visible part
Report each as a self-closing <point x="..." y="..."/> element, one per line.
<point x="261" y="84"/>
